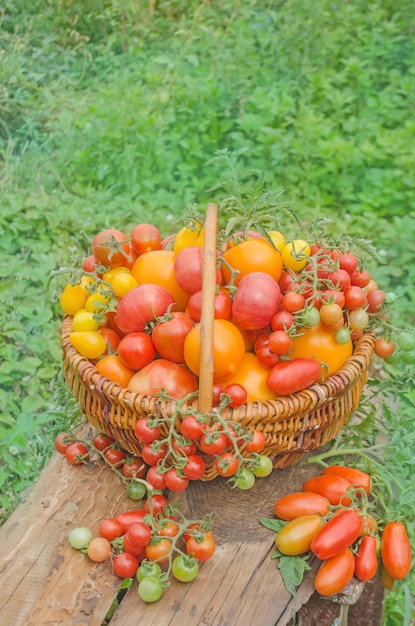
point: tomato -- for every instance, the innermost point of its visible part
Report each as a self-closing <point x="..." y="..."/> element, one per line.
<point x="130" y="517"/>
<point x="228" y="349"/>
<point x="237" y="394"/>
<point x="163" y="374"/>
<point x="131" y="548"/>
<point x="145" y="432"/>
<point x="360" y="278"/>
<point x="185" y="568"/>
<point x="148" y="569"/>
<point x="355" y="298"/>
<point x="158" y="550"/>
<point x="358" y="319"/>
<point x="396" y="550"/>
<point x="174" y="481"/>
<point x="84" y="320"/>
<point x="112" y="339"/>
<point x="110" y="247"/>
<point x="102" y="442"/>
<point x="375" y="300"/>
<point x="384" y="348"/>
<point x="316" y="343"/>
<point x="292" y="301"/>
<point x="191" y="428"/>
<point x="244" y="479"/>
<point x="406" y="341"/>
<point x="333" y="488"/>
<point x="356" y="477"/>
<point x="188" y="267"/>
<point x="195" y="467"/>
<point x="62" y="441"/>
<point x="263" y="352"/>
<point x="115" y="456"/>
<point x="222" y="305"/>
<point x="136" y="490"/>
<point x="111" y="366"/>
<point x="252" y="376"/>
<point x="99" y="549"/>
<point x="366" y="560"/>
<point x="338" y="533"/>
<point x="134" y="468"/>
<point x="369" y="525"/>
<point x="280" y="342"/>
<point x="79" y="538"/>
<point x="190" y="235"/>
<point x="123" y="283"/>
<point x="257" y="441"/>
<point x="331" y="313"/>
<point x="139" y="534"/>
<point x="282" y="320"/>
<point x="296" y="536"/>
<point x="263" y="466"/>
<point x="290" y="377"/>
<point x="150" y="589"/>
<point x="155" y="503"/>
<point x="295" y="254"/>
<point x="153" y="453"/>
<point x="157" y="267"/>
<point x="73" y="298"/>
<point x="156" y="478"/>
<point x="89" y="343"/>
<point x="309" y="318"/>
<point x="226" y="464"/>
<point x="277" y="238"/>
<point x="300" y="503"/>
<point x="110" y="528"/>
<point x="335" y="573"/>
<point x="76" y="453"/>
<point x="252" y="255"/>
<point x="168" y="528"/>
<point x="145" y="237"/>
<point x="256" y="301"/>
<point x="343" y="335"/>
<point x="213" y="442"/>
<point x="183" y="447"/>
<point x="141" y="305"/>
<point x="125" y="565"/>
<point x="348" y="262"/>
<point x="169" y="336"/>
<point x="202" y="546"/>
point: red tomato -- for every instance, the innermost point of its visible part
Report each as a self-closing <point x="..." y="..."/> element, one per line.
<point x="348" y="262"/>
<point x="202" y="547"/>
<point x="62" y="441"/>
<point x="155" y="503"/>
<point x="110" y="528"/>
<point x="282" y="320"/>
<point x="136" y="350"/>
<point x="130" y="517"/>
<point x="213" y="443"/>
<point x="139" y="534"/>
<point x="142" y="305"/>
<point x="360" y="278"/>
<point x="356" y="477"/>
<point x="375" y="300"/>
<point x="195" y="467"/>
<point x="156" y="478"/>
<point x="340" y="279"/>
<point x="257" y="443"/>
<point x="125" y="565"/>
<point x="76" y="453"/>
<point x="191" y="428"/>
<point x="263" y="352"/>
<point x="292" y="376"/>
<point x="134" y="468"/>
<point x="226" y="464"/>
<point x="145" y="237"/>
<point x="163" y="374"/>
<point x="366" y="560"/>
<point x="299" y="503"/>
<point x="159" y="550"/>
<point x="396" y="550"/>
<point x="280" y="342"/>
<point x="188" y="267"/>
<point x="174" y="481"/>
<point x="292" y="301"/>
<point x="145" y="432"/>
<point x="256" y="301"/>
<point x="152" y="455"/>
<point x="222" y="305"/>
<point x="384" y="348"/>
<point x="110" y="247"/>
<point x="169" y="336"/>
<point x="333" y="488"/>
<point x="237" y="393"/>
<point x="112" y="339"/>
<point x="355" y="298"/>
<point x="102" y="442"/>
<point x="115" y="456"/>
<point x="337" y="534"/>
<point x="335" y="573"/>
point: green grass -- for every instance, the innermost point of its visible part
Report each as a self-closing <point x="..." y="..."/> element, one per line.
<point x="109" y="114"/>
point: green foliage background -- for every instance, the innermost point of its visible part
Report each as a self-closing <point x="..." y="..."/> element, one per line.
<point x="109" y="112"/>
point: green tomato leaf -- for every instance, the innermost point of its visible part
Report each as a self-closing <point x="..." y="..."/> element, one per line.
<point x="272" y="524"/>
<point x="292" y="570"/>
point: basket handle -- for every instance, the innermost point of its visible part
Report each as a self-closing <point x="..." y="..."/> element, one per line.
<point x="206" y="321"/>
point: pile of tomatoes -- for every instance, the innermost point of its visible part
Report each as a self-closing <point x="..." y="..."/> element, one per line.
<point x="330" y="519"/>
<point x="149" y="544"/>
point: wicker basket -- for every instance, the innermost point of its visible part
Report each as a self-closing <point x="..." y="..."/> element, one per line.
<point x="293" y="425"/>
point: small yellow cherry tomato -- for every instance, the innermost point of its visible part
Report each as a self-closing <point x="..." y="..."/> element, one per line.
<point x="122" y="283"/>
<point x="89" y="343"/>
<point x="187" y="237"/>
<point x="73" y="298"/>
<point x="277" y="238"/>
<point x="109" y="276"/>
<point x="84" y="320"/>
<point x="96" y="303"/>
<point x="295" y="254"/>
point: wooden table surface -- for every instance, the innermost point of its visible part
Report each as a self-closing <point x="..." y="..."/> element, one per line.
<point x="45" y="581"/>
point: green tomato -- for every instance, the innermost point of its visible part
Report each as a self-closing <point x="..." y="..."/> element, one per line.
<point x="406" y="341"/>
<point x="150" y="589"/>
<point x="79" y="538"/>
<point x="310" y="317"/>
<point x="148" y="569"/>
<point x="136" y="491"/>
<point x="264" y="467"/>
<point x="185" y="568"/>
<point x="342" y="335"/>
<point x="244" y="479"/>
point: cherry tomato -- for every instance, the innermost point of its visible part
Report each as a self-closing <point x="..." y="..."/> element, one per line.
<point x="111" y="337"/>
<point x="338" y="533"/>
<point x="101" y="442"/>
<point x="213" y="443"/>
<point x="150" y="589"/>
<point x="79" y="538"/>
<point x="145" y="237"/>
<point x="295" y="254"/>
<point x="335" y="573"/>
<point x="366" y="560"/>
<point x="134" y="468"/>
<point x="174" y="481"/>
<point x="244" y="479"/>
<point x="110" y="247"/>
<point x="396" y="550"/>
<point x="195" y="467"/>
<point x="263" y="466"/>
<point x="202" y="547"/>
<point x="76" y="453"/>
<point x="115" y="456"/>
<point x="158" y="550"/>
<point x="290" y="377"/>
<point x="110" y="528"/>
<point x="222" y="305"/>
<point x="145" y="432"/>
<point x="152" y="453"/>
<point x="136" y="350"/>
<point x="73" y="298"/>
<point x="296" y="536"/>
<point x="226" y="464"/>
<point x="136" y="491"/>
<point x="155" y="503"/>
<point x="99" y="549"/>
<point x="237" y="394"/>
<point x="355" y="298"/>
<point x="125" y="565"/>
<point x="280" y="342"/>
<point x="139" y="534"/>
<point x="130" y="517"/>
<point x="256" y="443"/>
<point x="185" y="568"/>
<point x="360" y="278"/>
<point x="169" y="336"/>
<point x="148" y="568"/>
<point x="384" y="348"/>
<point x="300" y="503"/>
<point x="62" y="441"/>
<point x="282" y="320"/>
<point x="89" y="343"/>
<point x="191" y="428"/>
<point x="292" y="301"/>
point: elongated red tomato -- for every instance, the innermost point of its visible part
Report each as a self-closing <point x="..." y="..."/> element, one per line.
<point x="337" y="534"/>
<point x="366" y="560"/>
<point x="291" y="376"/>
<point x="355" y="476"/>
<point x="296" y="536"/>
<point x="334" y="488"/>
<point x="299" y="503"/>
<point x="335" y="573"/>
<point x="396" y="550"/>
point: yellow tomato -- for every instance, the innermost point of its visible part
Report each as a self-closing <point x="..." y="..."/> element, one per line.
<point x="253" y="377"/>
<point x="89" y="343"/>
<point x="295" y="254"/>
<point x="73" y="298"/>
<point x="84" y="320"/>
<point x="187" y="237"/>
<point x="277" y="239"/>
<point x="114" y="271"/>
<point x="96" y="303"/>
<point x="122" y="283"/>
<point x="252" y="255"/>
<point x="321" y="345"/>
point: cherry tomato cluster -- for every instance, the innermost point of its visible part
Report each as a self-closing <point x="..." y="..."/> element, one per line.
<point x="149" y="544"/>
<point x="330" y="519"/>
<point x="286" y="312"/>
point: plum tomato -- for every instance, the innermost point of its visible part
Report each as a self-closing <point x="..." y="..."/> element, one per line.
<point x="299" y="503"/>
<point x="296" y="536"/>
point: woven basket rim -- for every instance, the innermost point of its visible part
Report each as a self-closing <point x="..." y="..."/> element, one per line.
<point x="312" y="397"/>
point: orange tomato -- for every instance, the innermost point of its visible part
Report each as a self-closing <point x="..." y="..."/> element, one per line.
<point x="112" y="367"/>
<point x="321" y="345"/>
<point x="157" y="266"/>
<point x="253" y="377"/>
<point x="228" y="349"/>
<point x="252" y="255"/>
